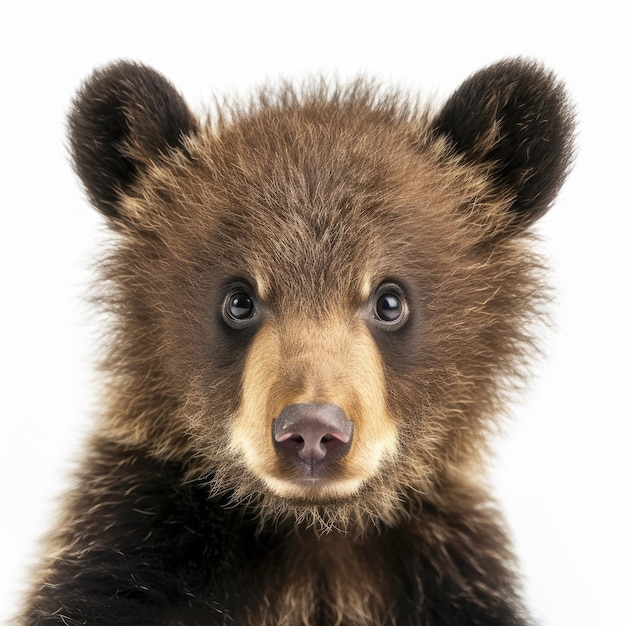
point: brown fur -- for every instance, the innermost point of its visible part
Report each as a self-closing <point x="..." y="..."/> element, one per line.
<point x="473" y="336"/>
<point x="311" y="199"/>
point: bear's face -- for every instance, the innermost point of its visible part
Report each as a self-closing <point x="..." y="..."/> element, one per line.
<point x="322" y="298"/>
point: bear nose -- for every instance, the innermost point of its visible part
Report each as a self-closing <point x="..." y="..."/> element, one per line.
<point x="312" y="433"/>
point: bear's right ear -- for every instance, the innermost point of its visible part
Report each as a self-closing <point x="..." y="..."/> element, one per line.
<point x="124" y="116"/>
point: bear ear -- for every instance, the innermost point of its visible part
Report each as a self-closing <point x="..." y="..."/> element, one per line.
<point x="123" y="117"/>
<point x="515" y="119"/>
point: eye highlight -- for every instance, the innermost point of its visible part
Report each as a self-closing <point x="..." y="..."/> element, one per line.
<point x="389" y="307"/>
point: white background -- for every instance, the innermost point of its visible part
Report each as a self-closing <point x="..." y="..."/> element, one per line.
<point x="560" y="469"/>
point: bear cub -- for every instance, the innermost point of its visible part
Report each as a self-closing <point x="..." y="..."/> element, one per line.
<point x="321" y="300"/>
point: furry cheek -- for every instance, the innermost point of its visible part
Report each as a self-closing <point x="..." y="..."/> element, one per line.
<point x="332" y="361"/>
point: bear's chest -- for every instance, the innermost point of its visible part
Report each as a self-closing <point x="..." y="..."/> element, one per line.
<point x="313" y="582"/>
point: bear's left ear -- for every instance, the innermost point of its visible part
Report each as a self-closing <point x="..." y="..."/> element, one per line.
<point x="515" y="119"/>
<point x="124" y="117"/>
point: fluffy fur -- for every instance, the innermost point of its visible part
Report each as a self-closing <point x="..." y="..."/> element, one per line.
<point x="314" y="203"/>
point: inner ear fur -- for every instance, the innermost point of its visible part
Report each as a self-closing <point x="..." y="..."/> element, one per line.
<point x="514" y="118"/>
<point x="124" y="116"/>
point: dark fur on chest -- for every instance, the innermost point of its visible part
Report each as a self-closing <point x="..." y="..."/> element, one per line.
<point x="143" y="547"/>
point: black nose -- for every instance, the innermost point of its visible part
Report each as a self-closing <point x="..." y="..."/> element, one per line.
<point x="312" y="433"/>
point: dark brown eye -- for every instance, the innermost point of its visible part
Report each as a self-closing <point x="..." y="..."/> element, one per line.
<point x="238" y="309"/>
<point x="390" y="307"/>
<point x="240" y="306"/>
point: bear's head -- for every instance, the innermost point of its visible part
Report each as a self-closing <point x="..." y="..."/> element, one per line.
<point x="320" y="298"/>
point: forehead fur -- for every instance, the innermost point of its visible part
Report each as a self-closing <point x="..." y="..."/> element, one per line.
<point x="326" y="185"/>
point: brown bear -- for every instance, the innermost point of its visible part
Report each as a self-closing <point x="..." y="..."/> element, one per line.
<point x="320" y="302"/>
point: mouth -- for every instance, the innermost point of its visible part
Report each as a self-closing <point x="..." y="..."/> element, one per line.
<point x="319" y="484"/>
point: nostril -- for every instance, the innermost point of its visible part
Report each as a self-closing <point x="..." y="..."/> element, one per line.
<point x="312" y="433"/>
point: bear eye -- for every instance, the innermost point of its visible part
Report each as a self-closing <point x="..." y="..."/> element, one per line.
<point x="390" y="307"/>
<point x="238" y="309"/>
